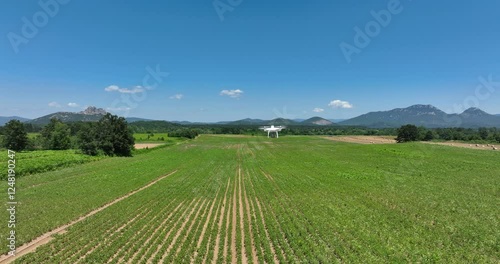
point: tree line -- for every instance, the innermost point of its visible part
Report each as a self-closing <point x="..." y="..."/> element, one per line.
<point x="112" y="135"/>
<point x="408" y="133"/>
<point x="109" y="136"/>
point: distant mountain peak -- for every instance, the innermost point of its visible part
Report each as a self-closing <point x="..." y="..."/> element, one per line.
<point x="281" y="121"/>
<point x="91" y="114"/>
<point x="422" y="106"/>
<point x="420" y="109"/>
<point x="474" y="111"/>
<point x="92" y="110"/>
<point x="317" y="121"/>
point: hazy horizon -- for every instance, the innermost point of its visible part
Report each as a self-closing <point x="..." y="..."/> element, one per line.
<point x="197" y="121"/>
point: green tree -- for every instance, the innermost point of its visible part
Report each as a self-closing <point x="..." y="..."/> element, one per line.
<point x="88" y="139"/>
<point x="56" y="135"/>
<point x="116" y="137"/>
<point x="110" y="136"/>
<point x="407" y="133"/>
<point x="483" y="133"/>
<point x="15" y="136"/>
<point x="429" y="136"/>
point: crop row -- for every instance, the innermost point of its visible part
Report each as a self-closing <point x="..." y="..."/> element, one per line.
<point x="248" y="200"/>
<point x="162" y="225"/>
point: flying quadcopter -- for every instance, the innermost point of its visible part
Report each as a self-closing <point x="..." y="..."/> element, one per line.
<point x="272" y="129"/>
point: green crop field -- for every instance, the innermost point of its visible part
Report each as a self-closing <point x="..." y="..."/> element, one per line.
<point x="30" y="162"/>
<point x="237" y="199"/>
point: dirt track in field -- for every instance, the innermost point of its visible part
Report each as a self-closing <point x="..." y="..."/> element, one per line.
<point x="47" y="237"/>
<point x="364" y="139"/>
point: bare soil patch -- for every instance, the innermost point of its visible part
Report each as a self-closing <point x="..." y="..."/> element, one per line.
<point x="364" y="139"/>
<point x="146" y="145"/>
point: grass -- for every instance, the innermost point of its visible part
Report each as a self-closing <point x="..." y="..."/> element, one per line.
<point x="39" y="161"/>
<point x="294" y="199"/>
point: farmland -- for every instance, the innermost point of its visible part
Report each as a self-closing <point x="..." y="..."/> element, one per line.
<point x="30" y="162"/>
<point x="244" y="199"/>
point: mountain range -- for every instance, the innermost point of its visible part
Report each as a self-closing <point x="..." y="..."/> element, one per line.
<point x="91" y="114"/>
<point x="425" y="115"/>
<point x="420" y="115"/>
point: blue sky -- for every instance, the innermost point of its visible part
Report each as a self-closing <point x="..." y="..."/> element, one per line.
<point x="257" y="59"/>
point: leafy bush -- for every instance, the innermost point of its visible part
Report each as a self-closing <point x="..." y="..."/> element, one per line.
<point x="186" y="133"/>
<point x="407" y="133"/>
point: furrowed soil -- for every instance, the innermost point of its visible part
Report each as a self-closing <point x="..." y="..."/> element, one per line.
<point x="364" y="139"/>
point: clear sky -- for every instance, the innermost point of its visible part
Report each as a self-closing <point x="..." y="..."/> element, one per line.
<point x="231" y="59"/>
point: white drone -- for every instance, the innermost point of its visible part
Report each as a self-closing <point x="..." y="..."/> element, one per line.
<point x="272" y="129"/>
